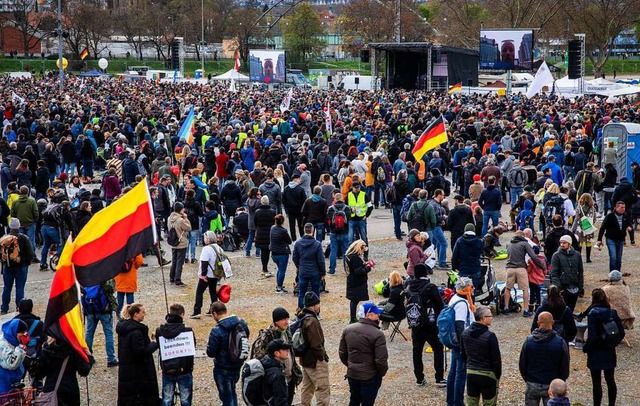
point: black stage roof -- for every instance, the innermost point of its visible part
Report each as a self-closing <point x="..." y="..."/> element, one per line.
<point x="420" y="47"/>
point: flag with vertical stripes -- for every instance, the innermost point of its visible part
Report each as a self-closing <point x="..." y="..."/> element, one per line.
<point x="188" y="128"/>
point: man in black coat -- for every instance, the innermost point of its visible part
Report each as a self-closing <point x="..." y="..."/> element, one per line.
<point x="293" y="198"/>
<point x="275" y="383"/>
<point x="459" y="217"/>
<point x="543" y="358"/>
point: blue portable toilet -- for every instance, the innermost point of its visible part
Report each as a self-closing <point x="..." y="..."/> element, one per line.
<point x="626" y="138"/>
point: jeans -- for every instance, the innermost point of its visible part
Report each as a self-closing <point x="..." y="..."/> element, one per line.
<point x="397" y="220"/>
<point x="569" y="172"/>
<point x="380" y="189"/>
<point x="369" y="191"/>
<point x="456" y="379"/>
<point x="87" y="168"/>
<point x="69" y="168"/>
<point x="106" y="319"/>
<point x="615" y="254"/>
<point x="212" y="284"/>
<point x="358" y="227"/>
<point x="178" y="256"/>
<point x="50" y="236"/>
<point x="339" y="245"/>
<point x="120" y="296"/>
<point x="281" y="261"/>
<point x="420" y="336"/>
<point x="247" y="246"/>
<point x="303" y="285"/>
<point x="494" y="215"/>
<point x="364" y="392"/>
<point x="535" y="393"/>
<point x="30" y="231"/>
<point x="440" y="243"/>
<point x="194" y="235"/>
<point x="226" y="384"/>
<point x="514" y="192"/>
<point x="185" y="386"/>
<point x="9" y="275"/>
<point x="319" y="227"/>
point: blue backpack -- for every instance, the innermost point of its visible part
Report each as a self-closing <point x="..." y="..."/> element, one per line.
<point x="94" y="299"/>
<point x="447" y="332"/>
<point x="404" y="210"/>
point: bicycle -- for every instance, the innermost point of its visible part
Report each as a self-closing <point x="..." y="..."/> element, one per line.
<point x="18" y="395"/>
<point x="53" y="257"/>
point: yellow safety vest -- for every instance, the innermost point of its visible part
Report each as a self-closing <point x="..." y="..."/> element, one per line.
<point x="358" y="205"/>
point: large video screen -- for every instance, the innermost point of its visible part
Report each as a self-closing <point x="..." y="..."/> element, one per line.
<point x="267" y="66"/>
<point x="506" y="49"/>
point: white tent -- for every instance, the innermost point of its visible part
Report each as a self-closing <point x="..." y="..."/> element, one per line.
<point x="232" y="74"/>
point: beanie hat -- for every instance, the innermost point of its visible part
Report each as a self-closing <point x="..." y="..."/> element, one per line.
<point x="279" y="313"/>
<point x="178" y="207"/>
<point x="14" y="224"/>
<point x="476" y="178"/>
<point x="412" y="234"/>
<point x="470" y="228"/>
<point x="615" y="276"/>
<point x="311" y="299"/>
<point x="566" y="238"/>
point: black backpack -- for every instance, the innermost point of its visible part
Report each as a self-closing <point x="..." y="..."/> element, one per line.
<point x="554" y="206"/>
<point x="417" y="221"/>
<point x="238" y="344"/>
<point x="419" y="314"/>
<point x="173" y="239"/>
<point x="519" y="177"/>
<point x="610" y="335"/>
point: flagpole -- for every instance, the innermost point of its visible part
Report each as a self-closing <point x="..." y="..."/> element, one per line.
<point x="164" y="283"/>
<point x="87" y="380"/>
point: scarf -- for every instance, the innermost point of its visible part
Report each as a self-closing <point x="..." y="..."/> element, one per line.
<point x="466" y="292"/>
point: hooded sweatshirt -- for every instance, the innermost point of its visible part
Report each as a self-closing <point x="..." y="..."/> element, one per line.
<point x="466" y="254"/>
<point x="171" y="329"/>
<point x="544" y="357"/>
<point x="11" y="356"/>
<point x="517" y="250"/>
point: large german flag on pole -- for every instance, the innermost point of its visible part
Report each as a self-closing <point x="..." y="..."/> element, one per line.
<point x="430" y="139"/>
<point x="112" y="236"/>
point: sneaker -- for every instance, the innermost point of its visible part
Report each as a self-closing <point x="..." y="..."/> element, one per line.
<point x="422" y="383"/>
<point x="505" y="310"/>
<point x="526" y="313"/>
<point x="247" y="255"/>
<point x="257" y="255"/>
<point x="44" y="267"/>
<point x="281" y="290"/>
<point x="193" y="260"/>
<point x="180" y="284"/>
<point x="442" y="383"/>
<point x="267" y="275"/>
<point x="144" y="264"/>
<point x="195" y="316"/>
<point x="166" y="261"/>
<point x="35" y="260"/>
<point x="112" y="364"/>
<point x="445" y="267"/>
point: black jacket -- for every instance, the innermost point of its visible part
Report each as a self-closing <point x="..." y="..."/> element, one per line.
<point x="279" y="241"/>
<point x="137" y="380"/>
<point x="231" y="197"/>
<point x="357" y="288"/>
<point x="275" y="387"/>
<point x="552" y="241"/>
<point x="566" y="269"/>
<point x="544" y="357"/>
<point x="599" y="356"/>
<point x="171" y="329"/>
<point x="459" y="217"/>
<point x="263" y="220"/>
<point x="337" y="207"/>
<point x="314" y="210"/>
<point x="562" y="316"/>
<point x="430" y="294"/>
<point x="50" y="365"/>
<point x="612" y="230"/>
<point x="293" y="197"/>
<point x="403" y="188"/>
<point x="480" y="349"/>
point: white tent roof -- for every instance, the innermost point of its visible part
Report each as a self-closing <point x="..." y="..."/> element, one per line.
<point x="601" y="82"/>
<point x="232" y="74"/>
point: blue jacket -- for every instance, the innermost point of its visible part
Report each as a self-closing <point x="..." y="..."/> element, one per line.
<point x="309" y="257"/>
<point x="490" y="199"/>
<point x="11" y="356"/>
<point x="556" y="172"/>
<point x="525" y="217"/>
<point x="218" y="345"/>
<point x="466" y="255"/>
<point x="544" y="357"/>
<point x="558" y="152"/>
<point x="248" y="158"/>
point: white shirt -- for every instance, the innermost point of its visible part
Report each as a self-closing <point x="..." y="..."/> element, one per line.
<point x="462" y="311"/>
<point x="208" y="254"/>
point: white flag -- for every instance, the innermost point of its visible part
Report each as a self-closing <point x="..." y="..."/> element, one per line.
<point x="286" y="102"/>
<point x="15" y="98"/>
<point x="328" y="120"/>
<point x="543" y="78"/>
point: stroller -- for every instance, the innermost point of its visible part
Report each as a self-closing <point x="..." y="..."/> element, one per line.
<point x="487" y="292"/>
<point x="230" y="240"/>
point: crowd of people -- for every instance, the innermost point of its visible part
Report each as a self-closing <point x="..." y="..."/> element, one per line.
<point x="284" y="181"/>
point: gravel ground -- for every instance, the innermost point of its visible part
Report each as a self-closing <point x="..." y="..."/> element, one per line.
<point x="254" y="297"/>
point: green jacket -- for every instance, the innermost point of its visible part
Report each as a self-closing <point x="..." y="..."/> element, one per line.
<point x="428" y="214"/>
<point x="25" y="210"/>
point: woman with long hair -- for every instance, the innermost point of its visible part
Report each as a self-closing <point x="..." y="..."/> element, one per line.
<point x="586" y="209"/>
<point x="137" y="379"/>
<point x="74" y="186"/>
<point x="415" y="252"/>
<point x="601" y="354"/>
<point x="357" y="271"/>
<point x="279" y="246"/>
<point x="564" y="324"/>
<point x="82" y="216"/>
<point x="394" y="308"/>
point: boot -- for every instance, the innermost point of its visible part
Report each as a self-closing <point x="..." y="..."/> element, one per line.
<point x="588" y="254"/>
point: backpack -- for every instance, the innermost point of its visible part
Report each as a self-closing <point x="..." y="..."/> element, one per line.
<point x="94" y="300"/>
<point x="447" y="187"/>
<point x="417" y="221"/>
<point x="447" y="332"/>
<point x="391" y="194"/>
<point x="554" y="206"/>
<point x="221" y="257"/>
<point x="141" y="169"/>
<point x="404" y="210"/>
<point x="173" y="239"/>
<point x="419" y="314"/>
<point x="52" y="214"/>
<point x="228" y="242"/>
<point x="14" y="162"/>
<point x="298" y="343"/>
<point x="519" y="176"/>
<point x="33" y="342"/>
<point x="253" y="383"/>
<point x="238" y="344"/>
<point x="338" y="221"/>
<point x="381" y="176"/>
<point x="10" y="245"/>
<point x="610" y="335"/>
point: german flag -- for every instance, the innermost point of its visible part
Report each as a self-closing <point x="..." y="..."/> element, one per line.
<point x="84" y="54"/>
<point x="433" y="136"/>
<point x="63" y="320"/>
<point x="455" y="88"/>
<point x="114" y="235"/>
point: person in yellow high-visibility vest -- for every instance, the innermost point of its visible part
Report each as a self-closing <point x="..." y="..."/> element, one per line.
<point x="361" y="207"/>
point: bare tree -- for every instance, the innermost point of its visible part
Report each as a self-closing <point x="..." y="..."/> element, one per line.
<point x="32" y="24"/>
<point x="132" y="26"/>
<point x="459" y="21"/>
<point x="246" y="28"/>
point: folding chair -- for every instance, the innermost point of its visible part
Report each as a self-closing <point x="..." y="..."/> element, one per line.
<point x="396" y="330"/>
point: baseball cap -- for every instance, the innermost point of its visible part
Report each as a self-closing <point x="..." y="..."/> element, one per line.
<point x="370" y="307"/>
<point x="277" y="345"/>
